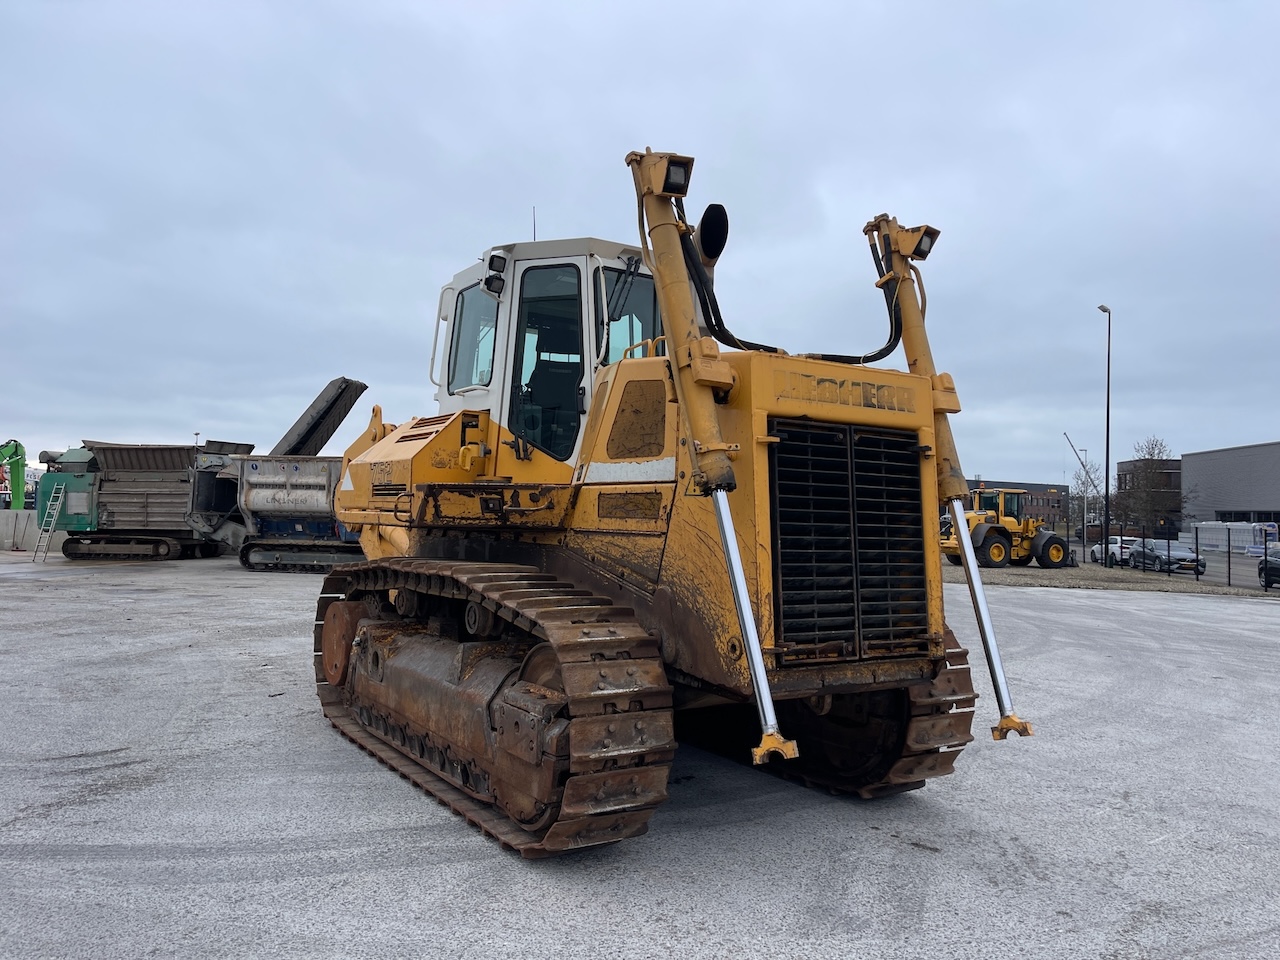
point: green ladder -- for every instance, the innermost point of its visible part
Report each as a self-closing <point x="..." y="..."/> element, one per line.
<point x="50" y="521"/>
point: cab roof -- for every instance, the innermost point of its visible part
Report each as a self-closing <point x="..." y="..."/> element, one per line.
<point x="574" y="247"/>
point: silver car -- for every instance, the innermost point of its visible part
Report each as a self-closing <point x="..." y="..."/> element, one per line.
<point x="1164" y="555"/>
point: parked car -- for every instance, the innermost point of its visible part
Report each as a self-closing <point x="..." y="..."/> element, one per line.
<point x="1164" y="555"/>
<point x="1269" y="567"/>
<point x="1117" y="551"/>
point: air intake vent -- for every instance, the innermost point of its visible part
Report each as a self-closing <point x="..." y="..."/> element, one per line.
<point x="848" y="531"/>
<point x="389" y="489"/>
<point x="424" y="428"/>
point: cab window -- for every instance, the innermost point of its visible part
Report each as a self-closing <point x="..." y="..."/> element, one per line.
<point x="1013" y="505"/>
<point x="989" y="502"/>
<point x="475" y="318"/>
<point x="547" y="395"/>
<point x="630" y="308"/>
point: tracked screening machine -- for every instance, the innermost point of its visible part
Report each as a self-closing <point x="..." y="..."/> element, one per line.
<point x="276" y="511"/>
<point x="624" y="522"/>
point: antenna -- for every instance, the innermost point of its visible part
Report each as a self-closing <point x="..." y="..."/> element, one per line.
<point x="535" y="223"/>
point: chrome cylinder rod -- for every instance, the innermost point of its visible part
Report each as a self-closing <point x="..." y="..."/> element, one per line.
<point x="1009" y="722"/>
<point x="771" y="741"/>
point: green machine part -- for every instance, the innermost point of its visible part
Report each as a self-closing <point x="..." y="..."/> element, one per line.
<point x="79" y="511"/>
<point x="13" y="457"/>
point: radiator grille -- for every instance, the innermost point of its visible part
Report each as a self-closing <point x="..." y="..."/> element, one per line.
<point x="849" y="569"/>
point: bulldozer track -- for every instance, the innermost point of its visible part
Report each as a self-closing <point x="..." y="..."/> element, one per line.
<point x="939" y="727"/>
<point x="613" y="788"/>
<point x="867" y="743"/>
<point x="620" y="725"/>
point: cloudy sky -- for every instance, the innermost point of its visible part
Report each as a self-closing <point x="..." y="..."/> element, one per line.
<point x="208" y="210"/>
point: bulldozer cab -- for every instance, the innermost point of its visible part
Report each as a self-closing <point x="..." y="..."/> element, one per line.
<point x="527" y="330"/>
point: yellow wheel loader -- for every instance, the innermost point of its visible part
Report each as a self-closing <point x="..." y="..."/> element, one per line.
<point x="623" y="518"/>
<point x="1001" y="534"/>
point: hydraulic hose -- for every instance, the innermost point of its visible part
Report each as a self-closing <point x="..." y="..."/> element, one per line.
<point x="708" y="303"/>
<point x="710" y="307"/>
<point x="895" y="318"/>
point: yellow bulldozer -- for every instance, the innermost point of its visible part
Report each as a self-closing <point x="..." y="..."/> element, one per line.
<point x="614" y="532"/>
<point x="1002" y="533"/>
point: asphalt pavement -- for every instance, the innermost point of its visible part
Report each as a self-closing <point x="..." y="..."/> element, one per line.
<point x="168" y="788"/>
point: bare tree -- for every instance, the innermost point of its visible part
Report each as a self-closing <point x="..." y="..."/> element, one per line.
<point x="1086" y="488"/>
<point x="1147" y="493"/>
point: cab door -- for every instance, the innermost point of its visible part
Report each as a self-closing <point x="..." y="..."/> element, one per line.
<point x="547" y="379"/>
<point x="472" y="377"/>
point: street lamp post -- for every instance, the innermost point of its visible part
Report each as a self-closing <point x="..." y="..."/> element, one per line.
<point x="1084" y="503"/>
<point x="1106" y="476"/>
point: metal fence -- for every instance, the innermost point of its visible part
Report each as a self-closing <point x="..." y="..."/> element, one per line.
<point x="1241" y="561"/>
<point x="1265" y="567"/>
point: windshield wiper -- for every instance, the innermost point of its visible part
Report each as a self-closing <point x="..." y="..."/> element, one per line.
<point x="622" y="290"/>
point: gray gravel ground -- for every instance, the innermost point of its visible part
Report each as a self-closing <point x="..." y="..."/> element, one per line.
<point x="168" y="788"/>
